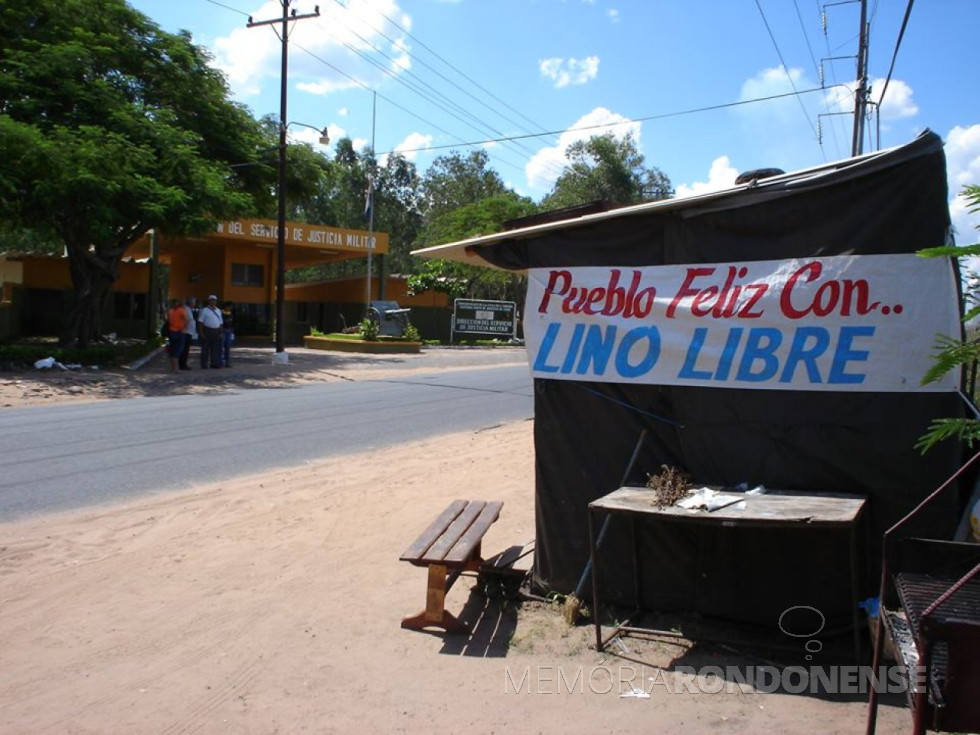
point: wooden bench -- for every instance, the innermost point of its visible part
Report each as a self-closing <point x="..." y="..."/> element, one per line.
<point x="449" y="547"/>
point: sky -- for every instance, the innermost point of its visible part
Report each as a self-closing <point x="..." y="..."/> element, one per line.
<point x="707" y="88"/>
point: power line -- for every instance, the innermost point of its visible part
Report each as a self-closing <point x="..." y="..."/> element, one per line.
<point x="474" y="121"/>
<point x="526" y="136"/>
<point x="428" y="97"/>
<point x="478" y="124"/>
<point x="818" y="67"/>
<point x="662" y="116"/>
<point x="227" y="7"/>
<point x="833" y="73"/>
<point x="460" y="72"/>
<point x="898" y="44"/>
<point x="806" y="38"/>
<point x="365" y="86"/>
<point x="786" y="69"/>
<point x="401" y="107"/>
<point x="439" y="73"/>
<point x="555" y="168"/>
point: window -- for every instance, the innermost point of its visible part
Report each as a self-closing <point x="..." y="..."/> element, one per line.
<point x="247" y="274"/>
<point x="128" y="306"/>
<point x="139" y="305"/>
<point x="252" y="319"/>
<point x="302" y="312"/>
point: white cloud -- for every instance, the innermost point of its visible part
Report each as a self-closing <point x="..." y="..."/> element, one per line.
<point x="721" y="175"/>
<point x="963" y="168"/>
<point x="245" y="56"/>
<point x="411" y="145"/>
<point x="897" y="104"/>
<point x="317" y="88"/>
<point x="769" y="83"/>
<point x="546" y="165"/>
<point x="336" y="132"/>
<point x="840" y="98"/>
<point x="251" y="57"/>
<point x="778" y="128"/>
<point x="613" y="15"/>
<point x="565" y="72"/>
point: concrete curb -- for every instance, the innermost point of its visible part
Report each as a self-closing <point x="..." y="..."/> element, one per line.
<point x="137" y="364"/>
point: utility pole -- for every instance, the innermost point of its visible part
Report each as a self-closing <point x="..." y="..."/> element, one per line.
<point x="281" y="358"/>
<point x="370" y="209"/>
<point x="861" y="92"/>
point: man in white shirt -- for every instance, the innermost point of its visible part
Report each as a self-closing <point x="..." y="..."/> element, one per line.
<point x="211" y="321"/>
<point x="190" y="329"/>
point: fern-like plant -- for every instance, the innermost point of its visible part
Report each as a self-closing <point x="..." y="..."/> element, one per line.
<point x="952" y="353"/>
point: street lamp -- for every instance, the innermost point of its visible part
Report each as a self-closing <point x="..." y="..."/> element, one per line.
<point x="324" y="133"/>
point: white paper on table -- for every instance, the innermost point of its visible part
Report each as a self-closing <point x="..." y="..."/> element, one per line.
<point x="707" y="499"/>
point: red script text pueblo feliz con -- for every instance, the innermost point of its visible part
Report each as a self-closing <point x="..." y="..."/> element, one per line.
<point x="766" y="324"/>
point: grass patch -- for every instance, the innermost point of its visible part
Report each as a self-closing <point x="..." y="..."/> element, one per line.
<point x="24" y="353"/>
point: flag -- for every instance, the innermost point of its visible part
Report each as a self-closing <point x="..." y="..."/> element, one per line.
<point x="369" y="198"/>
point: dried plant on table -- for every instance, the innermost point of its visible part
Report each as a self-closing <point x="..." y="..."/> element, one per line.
<point x="669" y="485"/>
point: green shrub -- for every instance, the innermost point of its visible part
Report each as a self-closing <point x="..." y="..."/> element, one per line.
<point x="412" y="334"/>
<point x="369" y="329"/>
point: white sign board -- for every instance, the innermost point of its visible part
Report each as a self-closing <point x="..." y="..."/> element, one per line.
<point x="842" y="323"/>
<point x="497" y="318"/>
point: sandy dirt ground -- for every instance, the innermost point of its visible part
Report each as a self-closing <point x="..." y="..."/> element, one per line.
<point x="272" y="604"/>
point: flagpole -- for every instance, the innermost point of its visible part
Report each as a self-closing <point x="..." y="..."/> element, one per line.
<point x="370" y="201"/>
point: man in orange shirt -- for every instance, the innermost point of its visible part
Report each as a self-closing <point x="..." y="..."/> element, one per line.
<point x="176" y="321"/>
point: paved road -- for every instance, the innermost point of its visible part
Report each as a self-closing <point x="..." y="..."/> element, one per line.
<point x="75" y="455"/>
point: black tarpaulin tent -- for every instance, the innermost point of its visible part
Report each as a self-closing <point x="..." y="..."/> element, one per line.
<point x="828" y="440"/>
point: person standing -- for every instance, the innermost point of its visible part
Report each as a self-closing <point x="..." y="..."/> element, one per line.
<point x="176" y="321"/>
<point x="211" y="321"/>
<point x="227" y="332"/>
<point x="190" y="331"/>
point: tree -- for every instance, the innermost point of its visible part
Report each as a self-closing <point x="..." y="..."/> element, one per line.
<point x="397" y="210"/>
<point x="606" y="168"/>
<point x="110" y="127"/>
<point x="454" y="180"/>
<point x="951" y="353"/>
<point x="458" y="280"/>
<point x="340" y="200"/>
<point x="482" y="217"/>
<point x="394" y="200"/>
<point x="462" y="197"/>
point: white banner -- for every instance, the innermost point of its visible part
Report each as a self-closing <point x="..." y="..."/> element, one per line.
<point x="843" y="323"/>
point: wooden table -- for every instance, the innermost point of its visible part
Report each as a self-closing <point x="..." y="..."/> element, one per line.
<point x="774" y="508"/>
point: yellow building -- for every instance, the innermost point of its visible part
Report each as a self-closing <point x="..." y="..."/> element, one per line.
<point x="36" y="292"/>
<point x="237" y="262"/>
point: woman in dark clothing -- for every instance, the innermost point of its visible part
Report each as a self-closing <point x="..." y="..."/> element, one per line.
<point x="227" y="332"/>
